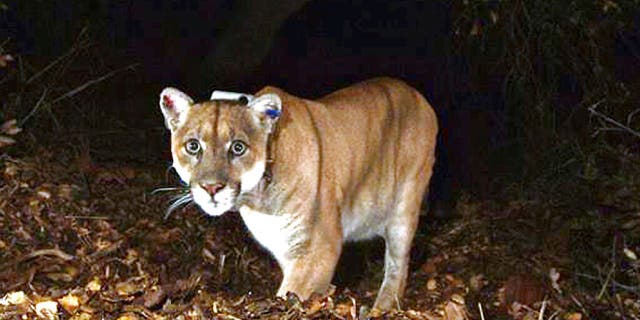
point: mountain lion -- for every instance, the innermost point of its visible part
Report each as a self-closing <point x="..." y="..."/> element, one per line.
<point x="308" y="175"/>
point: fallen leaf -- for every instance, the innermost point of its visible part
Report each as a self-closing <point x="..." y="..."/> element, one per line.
<point x="11" y="170"/>
<point x="154" y="297"/>
<point x="70" y="303"/>
<point x="431" y="266"/>
<point x="47" y="310"/>
<point x="82" y="316"/>
<point x="343" y="309"/>
<point x="554" y="275"/>
<point x="5" y="59"/>
<point x="95" y="285"/>
<point x="630" y="254"/>
<point x="477" y="282"/>
<point x="10" y="127"/>
<point x="6" y="141"/>
<point x="44" y="194"/>
<point x="125" y="289"/>
<point x="494" y="16"/>
<point x="432" y="284"/>
<point x="415" y="315"/>
<point x="457" y="299"/>
<point x="574" y="316"/>
<point x="132" y="256"/>
<point x="66" y="191"/>
<point x="455" y="311"/>
<point x="453" y="281"/>
<point x="14" y="299"/>
<point x="61" y="276"/>
<point x="315" y="305"/>
<point x="516" y="310"/>
<point x="374" y="313"/>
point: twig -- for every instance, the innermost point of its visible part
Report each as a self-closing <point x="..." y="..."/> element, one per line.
<point x="97" y="133"/>
<point x="35" y="108"/>
<point x="49" y="252"/>
<point x="481" y="312"/>
<point x="52" y="64"/>
<point x="608" y="119"/>
<point x="44" y="252"/>
<point x="89" y="217"/>
<point x="632" y="289"/>
<point x="92" y="82"/>
<point x="73" y="49"/>
<point x="576" y="301"/>
<point x="613" y="260"/>
<point x="631" y="115"/>
<point x="106" y="251"/>
<point x="542" y="309"/>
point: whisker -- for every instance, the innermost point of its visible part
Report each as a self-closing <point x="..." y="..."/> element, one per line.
<point x="182" y="200"/>
<point x="178" y="202"/>
<point x="168" y="189"/>
<point x="181" y="197"/>
<point x="177" y="197"/>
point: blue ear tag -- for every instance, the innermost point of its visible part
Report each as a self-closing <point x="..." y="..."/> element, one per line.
<point x="272" y="113"/>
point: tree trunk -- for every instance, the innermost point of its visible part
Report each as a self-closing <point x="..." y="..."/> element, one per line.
<point x="246" y="40"/>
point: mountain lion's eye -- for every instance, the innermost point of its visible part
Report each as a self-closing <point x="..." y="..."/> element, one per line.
<point x="192" y="146"/>
<point x="238" y="148"/>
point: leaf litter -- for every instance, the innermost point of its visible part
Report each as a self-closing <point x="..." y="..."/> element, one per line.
<point x="79" y="243"/>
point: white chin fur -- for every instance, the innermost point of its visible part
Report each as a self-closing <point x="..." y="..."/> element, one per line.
<point x="252" y="177"/>
<point x="184" y="174"/>
<point x="224" y="200"/>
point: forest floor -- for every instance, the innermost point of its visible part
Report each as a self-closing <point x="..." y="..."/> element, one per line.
<point x="82" y="240"/>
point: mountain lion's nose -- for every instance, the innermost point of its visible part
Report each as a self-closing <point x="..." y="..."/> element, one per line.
<point x="212" y="189"/>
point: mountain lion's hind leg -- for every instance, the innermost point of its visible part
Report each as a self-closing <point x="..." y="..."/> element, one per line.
<point x="398" y="236"/>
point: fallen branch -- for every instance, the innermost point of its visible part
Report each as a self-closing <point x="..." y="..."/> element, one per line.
<point x="612" y="121"/>
<point x="81" y="43"/>
<point x="43" y="252"/>
<point x="92" y="82"/>
<point x="49" y="252"/>
<point x="36" y="107"/>
<point x="612" y="283"/>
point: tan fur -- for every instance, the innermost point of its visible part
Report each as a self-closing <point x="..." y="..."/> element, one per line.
<point x="352" y="165"/>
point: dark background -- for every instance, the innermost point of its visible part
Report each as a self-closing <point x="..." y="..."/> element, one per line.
<point x="530" y="159"/>
<point x="311" y="48"/>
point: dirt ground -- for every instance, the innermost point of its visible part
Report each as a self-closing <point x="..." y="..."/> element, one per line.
<point x="82" y="240"/>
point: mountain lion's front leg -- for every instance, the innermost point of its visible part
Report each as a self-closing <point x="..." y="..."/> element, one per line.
<point x="312" y="271"/>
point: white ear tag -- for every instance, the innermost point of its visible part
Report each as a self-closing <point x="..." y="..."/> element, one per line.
<point x="226" y="95"/>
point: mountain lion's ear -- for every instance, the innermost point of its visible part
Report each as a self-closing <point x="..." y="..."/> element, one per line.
<point x="268" y="108"/>
<point x="174" y="104"/>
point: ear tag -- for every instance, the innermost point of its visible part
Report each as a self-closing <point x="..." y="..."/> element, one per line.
<point x="272" y="113"/>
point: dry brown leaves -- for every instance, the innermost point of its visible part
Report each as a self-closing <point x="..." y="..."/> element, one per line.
<point x="8" y="129"/>
<point x="86" y="242"/>
<point x="75" y="248"/>
<point x="5" y="59"/>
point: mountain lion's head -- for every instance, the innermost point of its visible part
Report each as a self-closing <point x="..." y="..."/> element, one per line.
<point x="219" y="147"/>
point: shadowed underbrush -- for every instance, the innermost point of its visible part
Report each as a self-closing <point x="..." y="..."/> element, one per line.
<point x="82" y="147"/>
